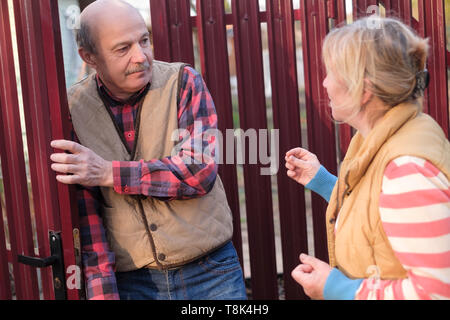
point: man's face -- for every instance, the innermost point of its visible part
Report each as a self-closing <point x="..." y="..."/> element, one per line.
<point x="124" y="56"/>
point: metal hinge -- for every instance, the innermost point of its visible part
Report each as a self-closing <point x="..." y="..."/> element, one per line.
<point x="55" y="261"/>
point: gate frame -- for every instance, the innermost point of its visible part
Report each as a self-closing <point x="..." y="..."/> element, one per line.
<point x="46" y="118"/>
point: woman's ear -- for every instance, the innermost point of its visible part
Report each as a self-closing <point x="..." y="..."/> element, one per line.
<point x="367" y="94"/>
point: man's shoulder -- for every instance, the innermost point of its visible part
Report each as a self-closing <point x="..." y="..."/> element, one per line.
<point x="168" y="66"/>
<point x="83" y="92"/>
<point x="84" y="86"/>
<point x="83" y="83"/>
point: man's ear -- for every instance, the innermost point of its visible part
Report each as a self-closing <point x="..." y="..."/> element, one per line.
<point x="88" y="57"/>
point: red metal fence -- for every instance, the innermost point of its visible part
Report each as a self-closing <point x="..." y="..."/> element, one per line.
<point x="172" y="26"/>
<point x="46" y="115"/>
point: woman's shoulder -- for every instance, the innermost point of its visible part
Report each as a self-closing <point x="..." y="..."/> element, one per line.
<point x="420" y="138"/>
<point x="408" y="173"/>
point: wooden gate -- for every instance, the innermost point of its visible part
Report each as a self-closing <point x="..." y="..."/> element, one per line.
<point x="301" y="116"/>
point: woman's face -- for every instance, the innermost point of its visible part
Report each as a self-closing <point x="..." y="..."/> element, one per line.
<point x="339" y="97"/>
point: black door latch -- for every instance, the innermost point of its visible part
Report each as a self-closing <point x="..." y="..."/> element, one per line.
<point x="55" y="261"/>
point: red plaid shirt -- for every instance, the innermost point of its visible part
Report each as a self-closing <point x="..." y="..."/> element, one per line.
<point x="165" y="179"/>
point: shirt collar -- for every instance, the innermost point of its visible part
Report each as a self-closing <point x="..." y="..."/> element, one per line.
<point x="114" y="101"/>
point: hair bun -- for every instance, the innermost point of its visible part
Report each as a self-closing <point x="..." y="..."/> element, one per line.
<point x="422" y="82"/>
<point x="419" y="54"/>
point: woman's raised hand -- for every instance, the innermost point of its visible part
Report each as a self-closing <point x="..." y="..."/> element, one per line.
<point x="302" y="165"/>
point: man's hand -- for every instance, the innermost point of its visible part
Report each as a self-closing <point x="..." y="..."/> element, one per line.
<point x="87" y="168"/>
<point x="302" y="165"/>
<point x="312" y="275"/>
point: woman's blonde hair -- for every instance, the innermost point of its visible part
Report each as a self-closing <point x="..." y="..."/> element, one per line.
<point x="382" y="53"/>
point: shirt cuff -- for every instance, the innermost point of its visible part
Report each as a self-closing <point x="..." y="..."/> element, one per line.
<point x="102" y="288"/>
<point x="127" y="177"/>
<point x="339" y="287"/>
<point x="323" y="183"/>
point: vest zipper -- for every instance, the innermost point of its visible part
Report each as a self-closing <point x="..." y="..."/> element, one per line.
<point x="340" y="203"/>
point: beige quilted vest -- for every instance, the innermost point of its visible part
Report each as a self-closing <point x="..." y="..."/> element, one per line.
<point x="145" y="231"/>
<point x="360" y="245"/>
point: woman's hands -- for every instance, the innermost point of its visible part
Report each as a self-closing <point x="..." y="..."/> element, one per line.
<point x="312" y="275"/>
<point x="302" y="165"/>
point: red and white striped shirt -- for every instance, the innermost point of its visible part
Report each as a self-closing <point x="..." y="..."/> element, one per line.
<point x="415" y="212"/>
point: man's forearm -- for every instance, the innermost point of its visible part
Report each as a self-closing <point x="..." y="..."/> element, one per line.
<point x="168" y="178"/>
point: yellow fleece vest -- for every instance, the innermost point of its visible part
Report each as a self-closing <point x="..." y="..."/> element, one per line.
<point x="360" y="245"/>
<point x="144" y="231"/>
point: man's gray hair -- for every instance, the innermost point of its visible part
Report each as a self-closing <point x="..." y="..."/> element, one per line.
<point x="85" y="39"/>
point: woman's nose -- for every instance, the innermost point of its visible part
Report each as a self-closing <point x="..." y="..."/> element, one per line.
<point x="325" y="82"/>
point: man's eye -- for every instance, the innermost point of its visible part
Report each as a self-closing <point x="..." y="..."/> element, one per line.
<point x="122" y="49"/>
<point x="145" y="41"/>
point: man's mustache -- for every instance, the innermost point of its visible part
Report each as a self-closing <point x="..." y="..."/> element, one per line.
<point x="138" y="68"/>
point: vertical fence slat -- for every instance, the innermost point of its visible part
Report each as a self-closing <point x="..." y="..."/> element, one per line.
<point x="35" y="100"/>
<point x="46" y="114"/>
<point x="286" y="117"/>
<point x="172" y="31"/>
<point x="213" y="50"/>
<point x="61" y="129"/>
<point x="13" y="167"/>
<point x="341" y="12"/>
<point x="399" y="8"/>
<point x="5" y="285"/>
<point x="160" y="30"/>
<point x="321" y="136"/>
<point x="432" y="26"/>
<point x="252" y="113"/>
<point x="404" y="8"/>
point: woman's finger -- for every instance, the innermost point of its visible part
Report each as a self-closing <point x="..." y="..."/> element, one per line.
<point x="290" y="166"/>
<point x="291" y="173"/>
<point x="297" y="152"/>
<point x="306" y="268"/>
<point x="298" y="163"/>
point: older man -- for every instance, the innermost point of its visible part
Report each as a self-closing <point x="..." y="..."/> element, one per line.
<point x="165" y="213"/>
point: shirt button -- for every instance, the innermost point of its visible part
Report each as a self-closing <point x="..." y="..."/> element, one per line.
<point x="161" y="257"/>
<point x="153" y="227"/>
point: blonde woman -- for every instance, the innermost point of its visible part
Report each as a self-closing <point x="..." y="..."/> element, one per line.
<point x="388" y="218"/>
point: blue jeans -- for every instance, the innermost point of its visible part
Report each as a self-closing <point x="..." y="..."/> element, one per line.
<point x="216" y="276"/>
